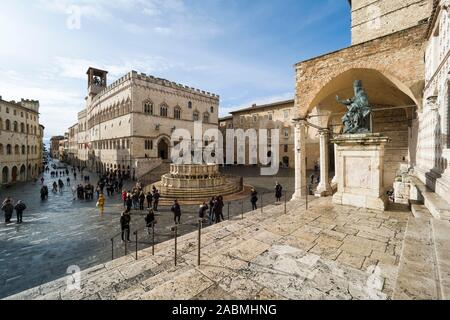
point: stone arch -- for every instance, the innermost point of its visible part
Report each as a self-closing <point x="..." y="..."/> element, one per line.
<point x="14" y="174"/>
<point x="23" y="173"/>
<point x="5" y="175"/>
<point x="341" y="81"/>
<point x="163" y="146"/>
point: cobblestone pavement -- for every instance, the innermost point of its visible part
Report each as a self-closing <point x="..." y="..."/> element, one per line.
<point x="62" y="232"/>
<point x="326" y="252"/>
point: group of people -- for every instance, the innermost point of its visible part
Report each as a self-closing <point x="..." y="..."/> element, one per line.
<point x="8" y="208"/>
<point x="137" y="199"/>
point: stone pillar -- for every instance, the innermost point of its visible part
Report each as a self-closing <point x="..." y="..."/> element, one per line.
<point x="300" y="160"/>
<point x="335" y="179"/>
<point x="324" y="188"/>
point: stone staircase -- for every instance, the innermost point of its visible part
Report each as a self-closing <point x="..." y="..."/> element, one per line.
<point x="424" y="269"/>
<point x="152" y="277"/>
<point x="155" y="175"/>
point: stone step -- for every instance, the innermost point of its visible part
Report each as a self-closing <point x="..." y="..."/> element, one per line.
<point x="420" y="211"/>
<point x="417" y="275"/>
<point x="441" y="236"/>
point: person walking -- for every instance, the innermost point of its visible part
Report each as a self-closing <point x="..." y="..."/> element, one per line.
<point x="20" y="208"/>
<point x="254" y="199"/>
<point x="220" y="207"/>
<point x="68" y="181"/>
<point x="124" y="198"/>
<point x="8" y="209"/>
<point x="141" y="200"/>
<point x="101" y="203"/>
<point x="149" y="198"/>
<point x="278" y="192"/>
<point x="42" y="181"/>
<point x="211" y="210"/>
<point x="129" y="202"/>
<point x="176" y="209"/>
<point x="150" y="220"/>
<point x="216" y="211"/>
<point x="156" y="197"/>
<point x="125" y="221"/>
<point x="44" y="193"/>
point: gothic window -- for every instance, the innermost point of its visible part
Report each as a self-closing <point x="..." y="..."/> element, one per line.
<point x="8" y="149"/>
<point x="23" y="149"/>
<point x="17" y="149"/>
<point x="286" y="132"/>
<point x="148" y="108"/>
<point x="212" y="109"/>
<point x="270" y="116"/>
<point x="1" y="149"/>
<point x="163" y="110"/>
<point x="206" y="117"/>
<point x="189" y="105"/>
<point x="177" y="113"/>
<point x="7" y="125"/>
<point x="148" y="144"/>
<point x="22" y="127"/>
<point x="196" y="116"/>
<point x="286" y="148"/>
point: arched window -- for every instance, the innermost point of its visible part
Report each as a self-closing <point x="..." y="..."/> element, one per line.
<point x="190" y="105"/>
<point x="16" y="126"/>
<point x="196" y="116"/>
<point x="23" y="150"/>
<point x="17" y="149"/>
<point x="148" y="108"/>
<point x="177" y="113"/>
<point x="22" y="127"/>
<point x="8" y="125"/>
<point x="212" y="109"/>
<point x="163" y="110"/>
<point x="1" y="149"/>
<point x="1" y="124"/>
<point x="206" y="117"/>
<point x="8" y="149"/>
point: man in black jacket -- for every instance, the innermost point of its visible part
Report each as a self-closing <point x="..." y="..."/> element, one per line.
<point x="8" y="209"/>
<point x="20" y="208"/>
<point x="125" y="220"/>
<point x="176" y="209"/>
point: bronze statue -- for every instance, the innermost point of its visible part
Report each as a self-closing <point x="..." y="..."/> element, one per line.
<point x="357" y="118"/>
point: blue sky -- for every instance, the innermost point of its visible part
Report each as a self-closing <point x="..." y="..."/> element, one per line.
<point x="243" y="50"/>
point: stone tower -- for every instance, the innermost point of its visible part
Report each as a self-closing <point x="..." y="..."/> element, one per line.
<point x="373" y="19"/>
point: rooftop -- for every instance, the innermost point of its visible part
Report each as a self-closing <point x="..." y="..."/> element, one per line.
<point x="264" y="106"/>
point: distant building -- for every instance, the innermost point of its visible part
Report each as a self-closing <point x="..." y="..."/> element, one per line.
<point x="55" y="144"/>
<point x="21" y="141"/>
<point x="127" y="125"/>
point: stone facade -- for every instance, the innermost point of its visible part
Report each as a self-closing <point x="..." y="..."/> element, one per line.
<point x="278" y="115"/>
<point x="374" y="19"/>
<point x="432" y="125"/>
<point x="55" y="147"/>
<point x="21" y="141"/>
<point x="128" y="125"/>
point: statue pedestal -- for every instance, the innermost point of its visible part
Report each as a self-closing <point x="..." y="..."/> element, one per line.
<point x="359" y="171"/>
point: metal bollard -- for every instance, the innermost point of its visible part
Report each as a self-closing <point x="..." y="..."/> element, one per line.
<point x="136" y="234"/>
<point x="176" y="243"/>
<point x="262" y="203"/>
<point x="126" y="243"/>
<point x="242" y="209"/>
<point x="153" y="238"/>
<point x="112" y="249"/>
<point x="285" y="203"/>
<point x="199" y="241"/>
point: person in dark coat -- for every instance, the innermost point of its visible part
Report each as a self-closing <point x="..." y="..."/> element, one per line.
<point x="220" y="206"/>
<point x="176" y="209"/>
<point x="20" y="208"/>
<point x="202" y="211"/>
<point x="141" y="200"/>
<point x="8" y="209"/>
<point x="254" y="199"/>
<point x="129" y="202"/>
<point x="278" y="192"/>
<point x="211" y="208"/>
<point x="149" y="198"/>
<point x="125" y="221"/>
<point x="216" y="210"/>
<point x="150" y="220"/>
<point x="44" y="193"/>
<point x="156" y="197"/>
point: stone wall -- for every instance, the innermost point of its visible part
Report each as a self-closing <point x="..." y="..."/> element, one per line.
<point x="373" y="19"/>
<point x="398" y="57"/>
